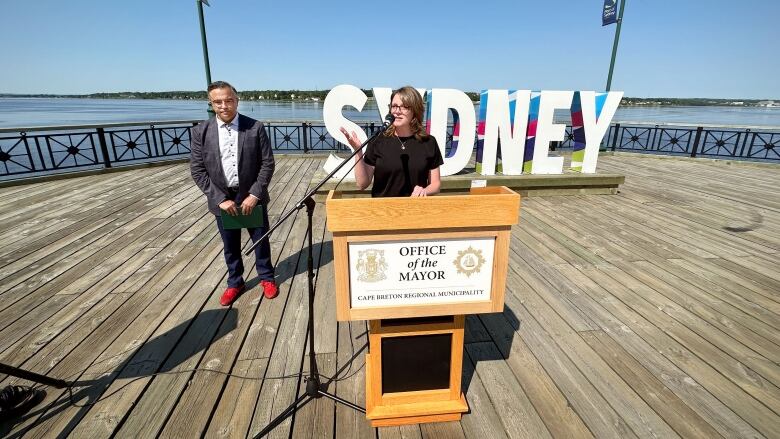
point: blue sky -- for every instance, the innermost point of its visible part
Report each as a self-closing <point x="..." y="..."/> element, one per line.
<point x="725" y="49"/>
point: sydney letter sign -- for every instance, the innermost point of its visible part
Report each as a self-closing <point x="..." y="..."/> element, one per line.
<point x="512" y="128"/>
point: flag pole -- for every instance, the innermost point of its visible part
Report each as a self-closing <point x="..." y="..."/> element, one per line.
<point x="615" y="44"/>
<point x="210" y="110"/>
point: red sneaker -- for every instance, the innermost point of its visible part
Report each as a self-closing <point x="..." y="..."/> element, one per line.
<point x="230" y="295"/>
<point x="269" y="288"/>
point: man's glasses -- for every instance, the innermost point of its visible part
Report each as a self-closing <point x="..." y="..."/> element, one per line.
<point x="401" y="108"/>
<point x="226" y="103"/>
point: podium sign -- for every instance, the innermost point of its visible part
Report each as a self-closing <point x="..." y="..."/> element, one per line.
<point x="417" y="257"/>
<point x="420" y="272"/>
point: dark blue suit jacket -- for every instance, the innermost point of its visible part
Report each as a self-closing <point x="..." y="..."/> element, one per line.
<point x="255" y="161"/>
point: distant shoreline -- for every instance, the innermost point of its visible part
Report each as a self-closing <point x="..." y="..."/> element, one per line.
<point x="319" y="96"/>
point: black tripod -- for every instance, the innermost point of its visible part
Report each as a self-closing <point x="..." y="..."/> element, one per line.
<point x="314" y="387"/>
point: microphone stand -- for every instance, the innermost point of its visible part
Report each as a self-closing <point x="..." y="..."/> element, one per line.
<point x="314" y="387"/>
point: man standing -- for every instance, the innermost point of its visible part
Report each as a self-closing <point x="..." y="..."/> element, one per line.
<point x="232" y="163"/>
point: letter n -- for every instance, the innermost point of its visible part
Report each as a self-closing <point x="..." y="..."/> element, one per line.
<point x="503" y="119"/>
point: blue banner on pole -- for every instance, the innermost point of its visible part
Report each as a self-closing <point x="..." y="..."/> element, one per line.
<point x="609" y="14"/>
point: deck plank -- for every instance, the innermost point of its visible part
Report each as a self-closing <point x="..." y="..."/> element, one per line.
<point x="482" y="419"/>
<point x="316" y="419"/>
<point x="633" y="412"/>
<point x="634" y="334"/>
<point x="351" y="383"/>
<point x="517" y="413"/>
<point x="680" y="417"/>
<point x="670" y="338"/>
<point x="561" y="419"/>
<point x="699" y="309"/>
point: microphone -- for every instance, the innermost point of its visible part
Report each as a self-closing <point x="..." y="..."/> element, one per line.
<point x="388" y="121"/>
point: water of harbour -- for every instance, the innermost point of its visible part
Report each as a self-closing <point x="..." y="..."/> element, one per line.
<point x="31" y="112"/>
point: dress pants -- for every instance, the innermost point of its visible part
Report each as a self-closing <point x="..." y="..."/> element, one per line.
<point x="231" y="240"/>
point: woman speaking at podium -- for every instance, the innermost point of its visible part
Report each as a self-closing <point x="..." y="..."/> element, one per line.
<point x="405" y="160"/>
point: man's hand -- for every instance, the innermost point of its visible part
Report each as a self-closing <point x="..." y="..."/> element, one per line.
<point x="230" y="207"/>
<point x="248" y="204"/>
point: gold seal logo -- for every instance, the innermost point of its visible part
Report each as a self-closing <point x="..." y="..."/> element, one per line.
<point x="371" y="265"/>
<point x="469" y="261"/>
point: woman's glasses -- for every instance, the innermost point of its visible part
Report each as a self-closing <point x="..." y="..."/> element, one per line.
<point x="401" y="108"/>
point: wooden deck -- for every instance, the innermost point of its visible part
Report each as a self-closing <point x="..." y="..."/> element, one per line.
<point x="651" y="313"/>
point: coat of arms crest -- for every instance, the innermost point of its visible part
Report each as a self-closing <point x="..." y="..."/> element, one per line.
<point x="371" y="265"/>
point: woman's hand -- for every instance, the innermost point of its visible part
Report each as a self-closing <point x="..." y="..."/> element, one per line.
<point x="363" y="172"/>
<point x="352" y="138"/>
<point x="419" y="191"/>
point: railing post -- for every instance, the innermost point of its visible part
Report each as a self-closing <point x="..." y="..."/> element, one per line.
<point x="40" y="151"/>
<point x="103" y="147"/>
<point x="154" y="142"/>
<point x="696" y="141"/>
<point x="189" y="132"/>
<point x="651" y="142"/>
<point x="744" y="143"/>
<point x="27" y="148"/>
<point x="305" y="138"/>
<point x="615" y="137"/>
<point x="604" y="140"/>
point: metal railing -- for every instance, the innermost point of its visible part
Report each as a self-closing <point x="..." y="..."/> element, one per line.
<point x="46" y="150"/>
<point x="739" y="143"/>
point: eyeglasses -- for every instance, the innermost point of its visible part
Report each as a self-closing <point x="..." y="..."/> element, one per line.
<point x="226" y="103"/>
<point x="401" y="108"/>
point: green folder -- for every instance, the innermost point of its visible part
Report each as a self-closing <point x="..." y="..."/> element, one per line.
<point x="251" y="221"/>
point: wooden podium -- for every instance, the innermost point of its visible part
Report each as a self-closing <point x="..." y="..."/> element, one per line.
<point x="414" y="267"/>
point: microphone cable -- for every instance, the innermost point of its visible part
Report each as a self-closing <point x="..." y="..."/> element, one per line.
<point x="299" y="375"/>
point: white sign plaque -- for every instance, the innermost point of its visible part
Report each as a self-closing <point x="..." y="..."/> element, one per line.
<point x="420" y="272"/>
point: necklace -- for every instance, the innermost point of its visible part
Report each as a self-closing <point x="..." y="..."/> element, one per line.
<point x="403" y="144"/>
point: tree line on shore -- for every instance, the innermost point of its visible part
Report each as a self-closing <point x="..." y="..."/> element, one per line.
<point x="319" y="95"/>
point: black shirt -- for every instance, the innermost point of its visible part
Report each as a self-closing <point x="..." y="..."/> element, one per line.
<point x="398" y="170"/>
